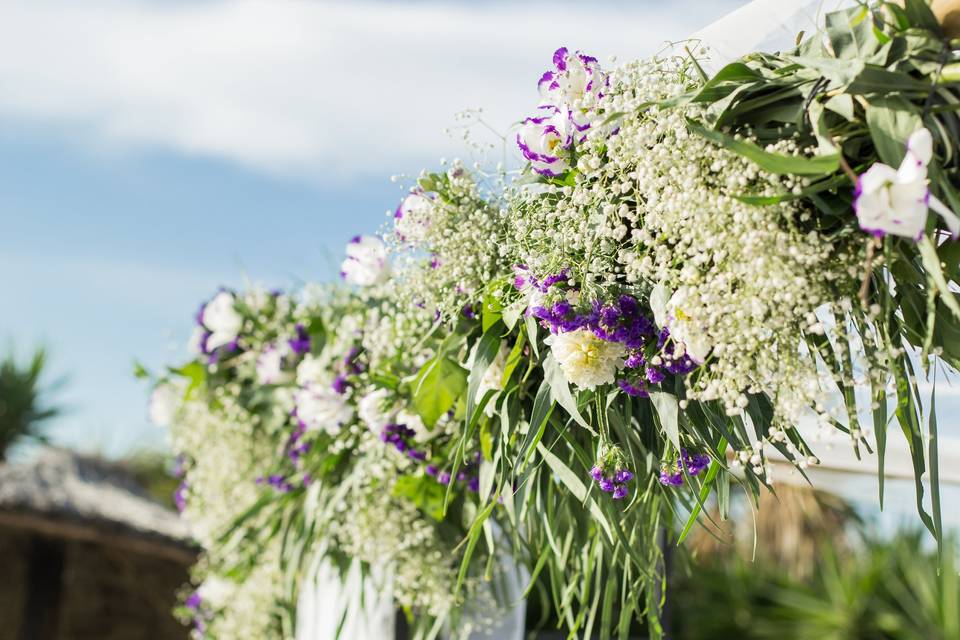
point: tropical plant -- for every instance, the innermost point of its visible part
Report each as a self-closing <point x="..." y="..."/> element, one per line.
<point x="22" y="407"/>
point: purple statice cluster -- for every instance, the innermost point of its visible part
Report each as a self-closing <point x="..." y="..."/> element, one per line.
<point x="672" y="474"/>
<point x="467" y="474"/>
<point x="277" y="481"/>
<point x="349" y="365"/>
<point x="614" y="482"/>
<point x="401" y="437"/>
<point x="300" y="344"/>
<point x="180" y="495"/>
<point x="649" y="353"/>
<point x="297" y="447"/>
<point x="194" y="603"/>
<point x="526" y="281"/>
<point x="611" y="472"/>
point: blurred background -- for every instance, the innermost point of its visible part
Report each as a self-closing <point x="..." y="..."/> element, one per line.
<point x="153" y="151"/>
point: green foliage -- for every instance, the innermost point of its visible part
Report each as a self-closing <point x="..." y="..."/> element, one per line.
<point x="891" y="589"/>
<point x="437" y="387"/>
<point x="22" y="407"/>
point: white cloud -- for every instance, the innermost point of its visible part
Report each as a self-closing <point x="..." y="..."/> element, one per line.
<point x="293" y="87"/>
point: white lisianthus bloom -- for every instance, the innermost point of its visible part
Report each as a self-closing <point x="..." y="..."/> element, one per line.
<point x="897" y="201"/>
<point x="412" y="421"/>
<point x="412" y="217"/>
<point x="270" y="366"/>
<point x="163" y="403"/>
<point x="372" y="409"/>
<point x="221" y="318"/>
<point x="685" y="331"/>
<point x="322" y="409"/>
<point x="574" y="77"/>
<point x="543" y="140"/>
<point x="366" y="263"/>
<point x="586" y="360"/>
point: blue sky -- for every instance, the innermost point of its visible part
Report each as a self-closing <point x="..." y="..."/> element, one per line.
<point x="161" y="150"/>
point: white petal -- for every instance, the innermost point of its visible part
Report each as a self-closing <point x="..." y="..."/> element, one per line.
<point x="949" y="217"/>
<point x="920" y="145"/>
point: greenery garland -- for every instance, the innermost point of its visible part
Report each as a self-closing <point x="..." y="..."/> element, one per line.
<point x="564" y="366"/>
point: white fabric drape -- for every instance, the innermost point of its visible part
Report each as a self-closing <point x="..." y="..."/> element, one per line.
<point x="763" y="25"/>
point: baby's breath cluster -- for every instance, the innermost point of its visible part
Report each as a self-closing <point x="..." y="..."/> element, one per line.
<point x="447" y="237"/>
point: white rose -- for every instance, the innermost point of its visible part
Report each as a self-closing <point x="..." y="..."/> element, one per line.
<point x="586" y="360"/>
<point x="311" y="371"/>
<point x="322" y="408"/>
<point x="668" y="311"/>
<point x="221" y="318"/>
<point x="373" y="411"/>
<point x="366" y="263"/>
<point x="270" y="366"/>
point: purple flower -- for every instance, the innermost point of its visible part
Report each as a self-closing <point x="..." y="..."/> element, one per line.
<point x="300" y="344"/>
<point x="606" y="484"/>
<point x="194" y="601"/>
<point x="340" y="385"/>
<point x="671" y="479"/>
<point x="180" y="496"/>
<point x="620" y="492"/>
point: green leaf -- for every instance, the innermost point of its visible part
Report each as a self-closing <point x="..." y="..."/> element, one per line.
<point x="195" y="372"/>
<point x="892" y="120"/>
<point x="851" y="33"/>
<point x="542" y="408"/>
<point x="575" y="485"/>
<point x="140" y="372"/>
<point x="438" y="385"/>
<point x="486" y="353"/>
<point x="919" y="14"/>
<point x="491" y="311"/>
<point x="772" y="162"/>
<point x="931" y="262"/>
<point x="668" y="413"/>
<point x="560" y="390"/>
<point x="423" y="491"/>
<point x="726" y="80"/>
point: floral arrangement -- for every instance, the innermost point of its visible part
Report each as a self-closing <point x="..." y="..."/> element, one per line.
<point x="563" y="364"/>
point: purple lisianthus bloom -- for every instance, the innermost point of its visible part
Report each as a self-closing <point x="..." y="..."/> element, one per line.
<point x="300" y="344"/>
<point x="544" y="140"/>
